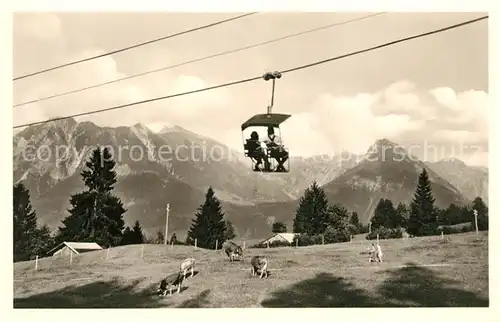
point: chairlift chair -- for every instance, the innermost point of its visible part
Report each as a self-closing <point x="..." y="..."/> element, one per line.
<point x="279" y="159"/>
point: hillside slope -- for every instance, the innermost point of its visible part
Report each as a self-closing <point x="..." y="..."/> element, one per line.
<point x="317" y="276"/>
<point x="471" y="181"/>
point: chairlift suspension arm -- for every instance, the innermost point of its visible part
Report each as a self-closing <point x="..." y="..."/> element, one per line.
<point x="273" y="76"/>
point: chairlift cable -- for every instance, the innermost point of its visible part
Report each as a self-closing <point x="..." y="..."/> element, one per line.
<point x="232" y="51"/>
<point x="135" y="46"/>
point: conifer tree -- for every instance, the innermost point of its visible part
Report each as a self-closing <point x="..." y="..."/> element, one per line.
<point x="160" y="237"/>
<point x="173" y="239"/>
<point x="127" y="236"/>
<point x="312" y="213"/>
<point x="279" y="227"/>
<point x="382" y="214"/>
<point x="138" y="234"/>
<point x="354" y="220"/>
<point x="338" y="216"/>
<point x="229" y="233"/>
<point x="208" y="226"/>
<point x="422" y="220"/>
<point x="385" y="215"/>
<point x="403" y="213"/>
<point x="96" y="215"/>
<point x="28" y="240"/>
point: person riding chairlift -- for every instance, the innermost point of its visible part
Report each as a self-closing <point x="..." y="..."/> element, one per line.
<point x="274" y="140"/>
<point x="275" y="146"/>
<point x="260" y="154"/>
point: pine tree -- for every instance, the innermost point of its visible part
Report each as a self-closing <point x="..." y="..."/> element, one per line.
<point x="279" y="227"/>
<point x="229" y="233"/>
<point x="138" y="234"/>
<point x="312" y="213"/>
<point x="354" y="220"/>
<point x="382" y="214"/>
<point x="96" y="214"/>
<point x="41" y="242"/>
<point x="160" y="237"/>
<point x="482" y="213"/>
<point x="127" y="236"/>
<point x="208" y="226"/>
<point x="451" y="215"/>
<point x="24" y="222"/>
<point x="403" y="213"/>
<point x="25" y="231"/>
<point x="338" y="216"/>
<point x="422" y="220"/>
<point x="173" y="239"/>
<point x="338" y="229"/>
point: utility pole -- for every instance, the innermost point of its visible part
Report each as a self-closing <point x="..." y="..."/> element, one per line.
<point x="166" y="224"/>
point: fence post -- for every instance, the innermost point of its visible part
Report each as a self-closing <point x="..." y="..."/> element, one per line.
<point x="475" y="220"/>
<point x="36" y="263"/>
<point x="142" y="251"/>
<point x="195" y="242"/>
<point x="70" y="257"/>
<point x="442" y="235"/>
<point x="243" y="244"/>
<point x="377" y="238"/>
<point x="107" y="253"/>
<point x="350" y="236"/>
<point x="323" y="239"/>
<point x="296" y="243"/>
<point x="216" y="244"/>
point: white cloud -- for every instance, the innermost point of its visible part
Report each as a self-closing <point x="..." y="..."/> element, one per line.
<point x="458" y="136"/>
<point x="302" y="136"/>
<point x="446" y="97"/>
<point x="328" y="124"/>
<point x="398" y="112"/>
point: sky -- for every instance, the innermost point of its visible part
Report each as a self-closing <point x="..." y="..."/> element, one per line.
<point x="429" y="94"/>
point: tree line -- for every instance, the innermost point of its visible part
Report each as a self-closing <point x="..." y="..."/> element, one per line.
<point x="96" y="215"/>
<point x="316" y="219"/>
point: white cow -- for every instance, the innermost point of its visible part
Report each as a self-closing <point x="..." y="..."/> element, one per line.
<point x="376" y="253"/>
<point x="187" y="265"/>
<point x="379" y="254"/>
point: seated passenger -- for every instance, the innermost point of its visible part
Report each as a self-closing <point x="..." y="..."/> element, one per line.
<point x="256" y="152"/>
<point x="276" y="148"/>
<point x="273" y="139"/>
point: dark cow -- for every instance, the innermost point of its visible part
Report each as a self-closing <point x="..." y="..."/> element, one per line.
<point x="232" y="250"/>
<point x="170" y="281"/>
<point x="259" y="265"/>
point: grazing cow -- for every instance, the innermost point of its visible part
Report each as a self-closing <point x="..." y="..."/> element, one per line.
<point x="375" y="253"/>
<point x="232" y="250"/>
<point x="259" y="265"/>
<point x="371" y="253"/>
<point x="186" y="265"/>
<point x="170" y="281"/>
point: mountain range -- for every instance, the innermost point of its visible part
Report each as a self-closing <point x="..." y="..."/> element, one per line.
<point x="252" y="201"/>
